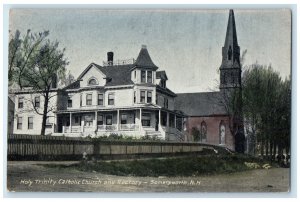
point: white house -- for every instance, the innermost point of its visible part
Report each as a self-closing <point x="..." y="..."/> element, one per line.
<point x="127" y="97"/>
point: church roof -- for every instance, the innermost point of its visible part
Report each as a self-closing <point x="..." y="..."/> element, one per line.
<point x="200" y="104"/>
<point x="144" y="60"/>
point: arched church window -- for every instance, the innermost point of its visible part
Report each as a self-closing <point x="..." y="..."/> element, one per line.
<point x="229" y="53"/>
<point x="222" y="130"/>
<point x="203" y="131"/>
<point x="92" y="81"/>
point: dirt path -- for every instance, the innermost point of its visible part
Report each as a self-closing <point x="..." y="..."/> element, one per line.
<point x="31" y="176"/>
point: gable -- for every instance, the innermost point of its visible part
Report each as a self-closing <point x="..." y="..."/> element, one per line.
<point x="93" y="75"/>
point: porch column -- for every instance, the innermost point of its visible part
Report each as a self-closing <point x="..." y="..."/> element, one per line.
<point x="82" y="123"/>
<point x="96" y="120"/>
<point x="140" y="119"/>
<point x="70" y="122"/>
<point x="159" y="117"/>
<point x="118" y="119"/>
<point x="175" y="121"/>
<point x="168" y="117"/>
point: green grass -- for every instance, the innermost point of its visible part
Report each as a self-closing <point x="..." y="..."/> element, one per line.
<point x="187" y="166"/>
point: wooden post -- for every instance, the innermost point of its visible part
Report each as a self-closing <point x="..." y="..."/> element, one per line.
<point x="159" y="118"/>
<point x="175" y="121"/>
<point x="96" y="120"/>
<point x="140" y="119"/>
<point x="82" y="123"/>
<point x="118" y="119"/>
<point x="70" y="127"/>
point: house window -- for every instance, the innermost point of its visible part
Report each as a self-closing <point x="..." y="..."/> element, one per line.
<point x="108" y="119"/>
<point x="88" y="121"/>
<point x="78" y="120"/>
<point x="149" y="97"/>
<point x="19" y="123"/>
<point x="92" y="82"/>
<point x="100" y="99"/>
<point x="111" y="99"/>
<point x="88" y="99"/>
<point x="143" y="96"/>
<point x="134" y="97"/>
<point x="100" y="119"/>
<point x="20" y="102"/>
<point x="30" y="122"/>
<point x="164" y="118"/>
<point x="80" y="100"/>
<point x="143" y="76"/>
<point x="149" y="76"/>
<point x="37" y="101"/>
<point x="69" y="102"/>
<point x="146" y="117"/>
<point x="134" y="74"/>
<point x="124" y="119"/>
<point x="166" y="102"/>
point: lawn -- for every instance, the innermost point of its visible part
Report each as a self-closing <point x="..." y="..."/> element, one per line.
<point x="180" y="166"/>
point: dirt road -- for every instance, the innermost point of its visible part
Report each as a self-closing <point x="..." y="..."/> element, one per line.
<point x="32" y="176"/>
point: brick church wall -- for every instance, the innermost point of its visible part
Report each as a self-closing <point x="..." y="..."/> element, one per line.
<point x="213" y="133"/>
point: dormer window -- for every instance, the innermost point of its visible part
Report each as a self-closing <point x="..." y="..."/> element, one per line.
<point x="92" y="82"/>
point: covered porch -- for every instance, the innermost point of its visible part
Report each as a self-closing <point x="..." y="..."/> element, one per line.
<point x="138" y="121"/>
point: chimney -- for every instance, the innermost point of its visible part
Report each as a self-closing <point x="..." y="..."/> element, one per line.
<point x="110" y="58"/>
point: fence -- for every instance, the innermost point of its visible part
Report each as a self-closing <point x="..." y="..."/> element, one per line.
<point x="28" y="147"/>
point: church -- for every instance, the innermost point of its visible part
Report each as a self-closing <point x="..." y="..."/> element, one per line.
<point x="209" y="117"/>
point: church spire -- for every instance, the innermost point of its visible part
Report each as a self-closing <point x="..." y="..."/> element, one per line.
<point x="231" y="49"/>
<point x="230" y="70"/>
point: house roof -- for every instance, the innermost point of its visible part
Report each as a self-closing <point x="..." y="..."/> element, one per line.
<point x="144" y="60"/>
<point x="200" y="104"/>
<point x="165" y="90"/>
<point x="117" y="74"/>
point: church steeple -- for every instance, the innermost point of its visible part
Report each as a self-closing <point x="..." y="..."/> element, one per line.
<point x="230" y="70"/>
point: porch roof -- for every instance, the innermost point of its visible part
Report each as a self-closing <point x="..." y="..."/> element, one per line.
<point x="82" y="110"/>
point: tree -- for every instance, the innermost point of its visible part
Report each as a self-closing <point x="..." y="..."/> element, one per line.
<point x="21" y="52"/>
<point x="266" y="109"/>
<point x="47" y="66"/>
<point x="37" y="63"/>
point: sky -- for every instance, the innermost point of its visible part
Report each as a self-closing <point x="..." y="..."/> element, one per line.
<point x="187" y="44"/>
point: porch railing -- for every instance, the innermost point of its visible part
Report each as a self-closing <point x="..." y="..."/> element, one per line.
<point x="73" y="129"/>
<point x="129" y="127"/>
<point x="107" y="127"/>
